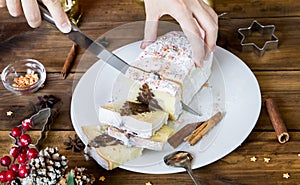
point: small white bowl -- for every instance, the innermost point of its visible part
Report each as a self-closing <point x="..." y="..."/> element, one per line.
<point x="21" y="68"/>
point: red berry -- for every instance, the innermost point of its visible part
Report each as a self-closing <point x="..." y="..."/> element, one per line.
<point x="10" y="175"/>
<point x="16" y="132"/>
<point x="22" y="158"/>
<point x="27" y="124"/>
<point x="3" y="176"/>
<point x="15" y="167"/>
<point x="14" y="151"/>
<point x="24" y="149"/>
<point x="24" y="171"/>
<point x="5" y="160"/>
<point x="25" y="140"/>
<point x="32" y="153"/>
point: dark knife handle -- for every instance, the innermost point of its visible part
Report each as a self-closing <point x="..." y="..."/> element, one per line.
<point x="45" y="14"/>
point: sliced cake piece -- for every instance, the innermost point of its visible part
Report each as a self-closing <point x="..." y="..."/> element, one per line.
<point x="133" y="118"/>
<point x="156" y="142"/>
<point x="142" y="117"/>
<point x="106" y="150"/>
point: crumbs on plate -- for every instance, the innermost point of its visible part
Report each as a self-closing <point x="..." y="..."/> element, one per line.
<point x="206" y="85"/>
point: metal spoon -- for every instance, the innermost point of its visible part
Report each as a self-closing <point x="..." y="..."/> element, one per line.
<point x="181" y="159"/>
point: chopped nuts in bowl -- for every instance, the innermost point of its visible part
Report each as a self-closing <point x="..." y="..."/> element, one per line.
<point x="24" y="76"/>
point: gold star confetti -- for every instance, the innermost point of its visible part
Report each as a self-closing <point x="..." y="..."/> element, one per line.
<point x="9" y="113"/>
<point x="102" y="178"/>
<point x="267" y="160"/>
<point x="253" y="159"/>
<point x="286" y="175"/>
<point x="148" y="183"/>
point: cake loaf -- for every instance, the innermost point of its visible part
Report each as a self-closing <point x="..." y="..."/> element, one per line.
<point x="140" y="121"/>
<point x="171" y="57"/>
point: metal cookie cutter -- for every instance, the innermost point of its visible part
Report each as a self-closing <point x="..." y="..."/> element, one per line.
<point x="40" y="118"/>
<point x="258" y="38"/>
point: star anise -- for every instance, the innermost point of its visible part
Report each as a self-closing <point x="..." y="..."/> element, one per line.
<point x="74" y="144"/>
<point x="47" y="101"/>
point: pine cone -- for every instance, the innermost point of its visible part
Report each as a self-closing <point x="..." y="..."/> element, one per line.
<point x="15" y="182"/>
<point x="81" y="177"/>
<point x="47" y="168"/>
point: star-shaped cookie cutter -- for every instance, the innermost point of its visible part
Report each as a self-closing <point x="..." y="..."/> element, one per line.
<point x="264" y="31"/>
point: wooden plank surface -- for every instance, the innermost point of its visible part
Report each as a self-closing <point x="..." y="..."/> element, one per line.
<point x="235" y="168"/>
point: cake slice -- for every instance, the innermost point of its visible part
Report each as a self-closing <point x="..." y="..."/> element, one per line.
<point x="123" y="116"/>
<point x="142" y="117"/>
<point x="156" y="142"/>
<point x="106" y="150"/>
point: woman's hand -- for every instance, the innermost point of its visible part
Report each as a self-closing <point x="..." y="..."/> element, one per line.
<point x="198" y="21"/>
<point x="32" y="13"/>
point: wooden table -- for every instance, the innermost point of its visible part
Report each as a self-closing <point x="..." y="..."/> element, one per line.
<point x="278" y="73"/>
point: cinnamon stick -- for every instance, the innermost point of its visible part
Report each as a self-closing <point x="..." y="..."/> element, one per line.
<point x="69" y="61"/>
<point x="277" y="122"/>
<point x="199" y="132"/>
<point x="179" y="136"/>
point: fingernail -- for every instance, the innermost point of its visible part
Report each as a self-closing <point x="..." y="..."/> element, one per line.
<point x="142" y="46"/>
<point x="208" y="55"/>
<point x="66" y="27"/>
<point x="145" y="43"/>
<point x="199" y="63"/>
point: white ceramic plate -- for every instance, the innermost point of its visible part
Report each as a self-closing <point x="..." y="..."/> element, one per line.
<point x="232" y="88"/>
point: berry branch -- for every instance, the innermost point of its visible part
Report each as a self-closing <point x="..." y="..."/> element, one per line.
<point x="19" y="155"/>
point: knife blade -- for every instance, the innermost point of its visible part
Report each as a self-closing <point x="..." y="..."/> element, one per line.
<point x="89" y="44"/>
<point x="78" y="37"/>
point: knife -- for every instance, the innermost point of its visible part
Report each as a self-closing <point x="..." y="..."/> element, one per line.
<point x="99" y="50"/>
<point x="89" y="44"/>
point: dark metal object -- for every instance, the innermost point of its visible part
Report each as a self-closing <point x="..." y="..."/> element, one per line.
<point x="265" y="31"/>
<point x="40" y="118"/>
<point x="181" y="159"/>
<point x="89" y="44"/>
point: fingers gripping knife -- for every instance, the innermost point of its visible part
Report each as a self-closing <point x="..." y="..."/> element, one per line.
<point x="98" y="50"/>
